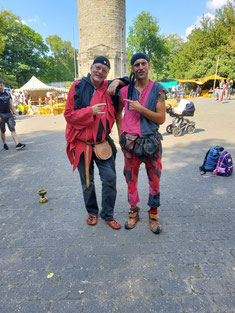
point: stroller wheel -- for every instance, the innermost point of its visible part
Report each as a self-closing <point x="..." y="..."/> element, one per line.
<point x="169" y="129"/>
<point x="177" y="131"/>
<point x="190" y="129"/>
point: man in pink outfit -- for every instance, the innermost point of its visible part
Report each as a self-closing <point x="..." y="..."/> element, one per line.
<point x="144" y="104"/>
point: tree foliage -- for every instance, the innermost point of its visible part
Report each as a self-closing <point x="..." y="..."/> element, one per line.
<point x="5" y="18"/>
<point x="23" y="53"/>
<point x="144" y="37"/>
<point x="199" y="55"/>
<point x="61" y="63"/>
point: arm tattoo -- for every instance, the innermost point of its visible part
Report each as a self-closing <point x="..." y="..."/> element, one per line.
<point x="162" y="97"/>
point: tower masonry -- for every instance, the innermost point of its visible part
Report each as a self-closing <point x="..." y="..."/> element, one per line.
<point x="102" y="31"/>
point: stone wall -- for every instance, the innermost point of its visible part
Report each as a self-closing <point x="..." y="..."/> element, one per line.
<point x="102" y="31"/>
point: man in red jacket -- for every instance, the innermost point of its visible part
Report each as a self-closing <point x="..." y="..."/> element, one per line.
<point x="90" y="114"/>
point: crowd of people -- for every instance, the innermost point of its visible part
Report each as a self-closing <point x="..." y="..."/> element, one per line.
<point x="20" y="101"/>
<point x="224" y="90"/>
<point x="178" y="92"/>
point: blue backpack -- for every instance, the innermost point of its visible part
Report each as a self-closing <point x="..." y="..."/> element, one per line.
<point x="211" y="159"/>
<point x="225" y="165"/>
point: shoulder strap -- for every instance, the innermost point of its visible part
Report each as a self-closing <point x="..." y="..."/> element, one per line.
<point x="202" y="168"/>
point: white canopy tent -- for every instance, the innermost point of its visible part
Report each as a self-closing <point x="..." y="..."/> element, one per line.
<point x="36" y="88"/>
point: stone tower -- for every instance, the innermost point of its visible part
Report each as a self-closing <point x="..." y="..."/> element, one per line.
<point x="102" y="31"/>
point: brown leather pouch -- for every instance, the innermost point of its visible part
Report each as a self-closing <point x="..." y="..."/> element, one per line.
<point x="130" y="142"/>
<point x="103" y="150"/>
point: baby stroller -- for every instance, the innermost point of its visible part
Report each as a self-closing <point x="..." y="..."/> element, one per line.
<point x="180" y="123"/>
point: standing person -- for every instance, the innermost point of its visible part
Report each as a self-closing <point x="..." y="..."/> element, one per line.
<point x="198" y="91"/>
<point x="14" y="99"/>
<point x="169" y="91"/>
<point x="173" y="91"/>
<point x="144" y="102"/>
<point x="226" y="92"/>
<point x="221" y="91"/>
<point x="230" y="89"/>
<point x="90" y="114"/>
<point x="7" y="115"/>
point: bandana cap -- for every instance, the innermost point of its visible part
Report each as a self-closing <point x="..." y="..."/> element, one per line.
<point x="102" y="60"/>
<point x="138" y="56"/>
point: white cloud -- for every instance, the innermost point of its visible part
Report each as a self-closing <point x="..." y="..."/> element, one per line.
<point x="23" y="22"/>
<point x="189" y="30"/>
<point x="198" y="23"/>
<point x="33" y="20"/>
<point x="216" y="4"/>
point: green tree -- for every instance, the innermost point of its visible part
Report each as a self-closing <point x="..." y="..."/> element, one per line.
<point x="62" y="60"/>
<point x="174" y="44"/>
<point x="199" y="54"/>
<point x="23" y="53"/>
<point x="5" y="17"/>
<point x="144" y="37"/>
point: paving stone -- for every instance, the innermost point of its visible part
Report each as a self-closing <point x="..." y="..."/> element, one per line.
<point x="186" y="271"/>
<point x="34" y="307"/>
<point x="165" y="304"/>
<point x="208" y="286"/>
<point x="136" y="305"/>
<point x="199" y="304"/>
<point x="225" y="303"/>
<point x="17" y="293"/>
<point x="215" y="270"/>
<point x="66" y="306"/>
<point x="175" y="287"/>
<point x="143" y="288"/>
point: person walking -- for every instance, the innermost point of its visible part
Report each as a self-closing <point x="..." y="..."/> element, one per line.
<point x="144" y="103"/>
<point x="7" y="115"/>
<point x="90" y="114"/>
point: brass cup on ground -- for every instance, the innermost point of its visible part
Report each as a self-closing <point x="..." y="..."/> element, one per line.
<point x="42" y="193"/>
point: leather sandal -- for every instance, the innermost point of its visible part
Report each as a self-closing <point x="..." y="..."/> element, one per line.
<point x="114" y="224"/>
<point x="133" y="218"/>
<point x="155" y="225"/>
<point x="91" y="220"/>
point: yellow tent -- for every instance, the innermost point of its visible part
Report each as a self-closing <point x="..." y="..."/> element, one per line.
<point x="200" y="81"/>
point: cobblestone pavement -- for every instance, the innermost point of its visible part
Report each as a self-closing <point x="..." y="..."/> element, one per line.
<point x="188" y="268"/>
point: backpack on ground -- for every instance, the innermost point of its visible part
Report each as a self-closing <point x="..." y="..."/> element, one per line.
<point x="211" y="159"/>
<point x="224" y="166"/>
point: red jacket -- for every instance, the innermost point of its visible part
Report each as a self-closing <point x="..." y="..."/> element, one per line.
<point x="83" y="125"/>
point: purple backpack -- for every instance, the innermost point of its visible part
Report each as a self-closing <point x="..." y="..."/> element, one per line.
<point x="224" y="166"/>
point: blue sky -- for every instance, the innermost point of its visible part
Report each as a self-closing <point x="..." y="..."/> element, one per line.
<point x="49" y="17"/>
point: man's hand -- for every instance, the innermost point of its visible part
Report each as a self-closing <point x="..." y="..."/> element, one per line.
<point x="97" y="108"/>
<point x="134" y="105"/>
<point x="14" y="116"/>
<point x="113" y="86"/>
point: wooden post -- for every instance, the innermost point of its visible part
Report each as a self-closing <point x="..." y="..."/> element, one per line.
<point x="217" y="64"/>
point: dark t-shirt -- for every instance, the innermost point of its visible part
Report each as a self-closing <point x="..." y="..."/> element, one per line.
<point x="5" y="102"/>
